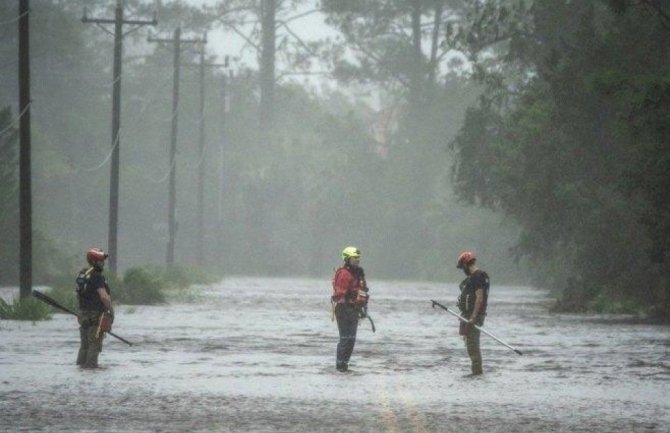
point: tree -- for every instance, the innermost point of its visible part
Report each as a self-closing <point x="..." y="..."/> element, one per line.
<point x="565" y="124"/>
<point x="392" y="43"/>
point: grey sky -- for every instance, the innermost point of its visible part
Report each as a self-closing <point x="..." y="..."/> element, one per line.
<point x="222" y="42"/>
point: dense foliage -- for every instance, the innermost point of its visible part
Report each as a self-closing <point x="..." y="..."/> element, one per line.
<point x="571" y="140"/>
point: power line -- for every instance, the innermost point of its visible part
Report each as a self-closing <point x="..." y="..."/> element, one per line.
<point x="15" y="19"/>
<point x="16" y="119"/>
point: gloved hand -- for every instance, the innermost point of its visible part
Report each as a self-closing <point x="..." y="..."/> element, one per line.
<point x="106" y="320"/>
<point x="361" y="298"/>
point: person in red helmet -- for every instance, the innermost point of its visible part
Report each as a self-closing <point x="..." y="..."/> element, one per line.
<point x="472" y="302"/>
<point x="95" y="308"/>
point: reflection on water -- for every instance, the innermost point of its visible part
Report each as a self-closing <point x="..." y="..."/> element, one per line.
<point x="258" y="355"/>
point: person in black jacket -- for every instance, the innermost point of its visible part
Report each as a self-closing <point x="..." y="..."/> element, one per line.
<point x="95" y="308"/>
<point x="472" y="302"/>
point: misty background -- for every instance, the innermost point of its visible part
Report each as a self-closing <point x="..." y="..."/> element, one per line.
<point x="534" y="133"/>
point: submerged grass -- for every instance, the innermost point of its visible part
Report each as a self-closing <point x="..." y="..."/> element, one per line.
<point x="25" y="309"/>
<point x="147" y="285"/>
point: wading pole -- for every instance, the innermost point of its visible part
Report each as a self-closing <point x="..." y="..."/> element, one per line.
<point x="47" y="300"/>
<point x="463" y="319"/>
<point x="371" y="322"/>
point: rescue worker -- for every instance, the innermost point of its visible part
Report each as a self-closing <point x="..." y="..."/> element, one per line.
<point x="349" y="301"/>
<point x="95" y="308"/>
<point x="472" y="302"/>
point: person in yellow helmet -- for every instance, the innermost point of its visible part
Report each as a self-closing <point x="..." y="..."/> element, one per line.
<point x="349" y="298"/>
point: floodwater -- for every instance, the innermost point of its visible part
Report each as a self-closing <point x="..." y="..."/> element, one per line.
<point x="258" y="355"/>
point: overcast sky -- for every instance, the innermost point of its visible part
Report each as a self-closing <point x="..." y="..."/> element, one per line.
<point x="222" y="43"/>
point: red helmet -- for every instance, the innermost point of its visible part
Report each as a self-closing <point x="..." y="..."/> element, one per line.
<point x="96" y="255"/>
<point x="464" y="259"/>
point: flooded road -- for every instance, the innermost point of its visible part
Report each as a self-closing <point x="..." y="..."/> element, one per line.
<point x="258" y="355"/>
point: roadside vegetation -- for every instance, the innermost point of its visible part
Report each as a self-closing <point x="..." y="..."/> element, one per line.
<point x="148" y="285"/>
<point x="24" y="309"/>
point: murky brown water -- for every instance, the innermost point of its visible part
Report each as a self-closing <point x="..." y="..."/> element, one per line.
<point x="258" y="355"/>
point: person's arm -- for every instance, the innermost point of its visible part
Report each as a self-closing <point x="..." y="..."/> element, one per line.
<point x="479" y="300"/>
<point x="105" y="298"/>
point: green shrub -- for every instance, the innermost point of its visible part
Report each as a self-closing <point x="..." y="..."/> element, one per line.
<point x="64" y="291"/>
<point x="145" y="285"/>
<point x="140" y="286"/>
<point x="609" y="301"/>
<point x="66" y="296"/>
<point x="25" y="309"/>
<point x="183" y="276"/>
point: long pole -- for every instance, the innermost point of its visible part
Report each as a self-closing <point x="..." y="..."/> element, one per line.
<point x="225" y="97"/>
<point x="172" y="193"/>
<point x="463" y="319"/>
<point x="116" y="138"/>
<point x="267" y="71"/>
<point x="202" y="160"/>
<point x="47" y="300"/>
<point x="25" y="186"/>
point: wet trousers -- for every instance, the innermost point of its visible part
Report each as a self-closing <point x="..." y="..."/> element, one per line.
<point x="90" y="343"/>
<point x="347" y="325"/>
<point x="472" y="344"/>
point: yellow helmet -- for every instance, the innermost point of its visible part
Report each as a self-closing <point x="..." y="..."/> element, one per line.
<point x="349" y="252"/>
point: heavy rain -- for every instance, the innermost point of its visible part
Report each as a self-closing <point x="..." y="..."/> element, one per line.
<point x="222" y="171"/>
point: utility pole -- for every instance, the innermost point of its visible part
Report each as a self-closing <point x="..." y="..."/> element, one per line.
<point x="25" y="187"/>
<point x="225" y="96"/>
<point x="199" y="256"/>
<point x="172" y="193"/>
<point x="267" y="72"/>
<point x="201" y="154"/>
<point x="118" y="22"/>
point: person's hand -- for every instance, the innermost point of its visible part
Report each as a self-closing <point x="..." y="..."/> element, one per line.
<point x="106" y="322"/>
<point x="361" y="298"/>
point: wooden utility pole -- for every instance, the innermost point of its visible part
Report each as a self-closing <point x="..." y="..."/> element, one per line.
<point x="25" y="187"/>
<point x="172" y="192"/>
<point x="267" y="72"/>
<point x="225" y="96"/>
<point x="199" y="254"/>
<point x="118" y="22"/>
<point x="200" y="241"/>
